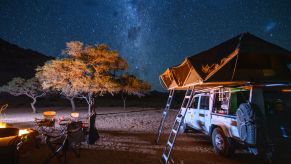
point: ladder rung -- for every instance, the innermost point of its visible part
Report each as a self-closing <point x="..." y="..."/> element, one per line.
<point x="170" y="144"/>
<point x="178" y="120"/>
<point x="187" y="97"/>
<point x="165" y="157"/>
<point x="168" y="105"/>
<point x="174" y="131"/>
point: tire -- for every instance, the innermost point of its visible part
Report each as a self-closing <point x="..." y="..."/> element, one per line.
<point x="221" y="144"/>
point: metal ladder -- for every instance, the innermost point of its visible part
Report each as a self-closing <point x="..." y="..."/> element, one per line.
<point x="164" y="115"/>
<point x="176" y="126"/>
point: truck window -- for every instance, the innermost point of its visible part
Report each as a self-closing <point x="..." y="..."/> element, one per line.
<point x="220" y="107"/>
<point x="236" y="99"/>
<point x="195" y="103"/>
<point x="233" y="103"/>
<point x="204" y="102"/>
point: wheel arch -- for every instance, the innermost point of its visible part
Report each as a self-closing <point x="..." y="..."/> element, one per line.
<point x="221" y="126"/>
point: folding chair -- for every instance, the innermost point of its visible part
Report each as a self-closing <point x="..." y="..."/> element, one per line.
<point x="75" y="137"/>
<point x="70" y="139"/>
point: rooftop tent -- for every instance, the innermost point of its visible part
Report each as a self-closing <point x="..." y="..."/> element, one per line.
<point x="245" y="58"/>
<point x="168" y="79"/>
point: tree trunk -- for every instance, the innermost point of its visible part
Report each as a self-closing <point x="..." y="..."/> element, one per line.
<point x="89" y="108"/>
<point x="90" y="102"/>
<point x="93" y="105"/>
<point x="32" y="105"/>
<point x="124" y="102"/>
<point x="72" y="104"/>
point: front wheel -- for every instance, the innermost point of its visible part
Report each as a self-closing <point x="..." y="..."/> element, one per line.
<point x="221" y="144"/>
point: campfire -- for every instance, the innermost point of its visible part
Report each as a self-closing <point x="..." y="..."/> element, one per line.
<point x="2" y="125"/>
<point x="21" y="132"/>
<point x="24" y="132"/>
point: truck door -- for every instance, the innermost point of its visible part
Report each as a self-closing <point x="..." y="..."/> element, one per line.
<point x="204" y="112"/>
<point x="193" y="118"/>
<point x="208" y="113"/>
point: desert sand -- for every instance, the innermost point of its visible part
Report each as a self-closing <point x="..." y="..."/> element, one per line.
<point x="127" y="136"/>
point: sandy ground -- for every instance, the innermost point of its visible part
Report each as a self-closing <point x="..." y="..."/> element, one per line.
<point x="127" y="136"/>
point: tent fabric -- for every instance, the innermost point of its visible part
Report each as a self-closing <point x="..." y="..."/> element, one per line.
<point x="168" y="80"/>
<point x="243" y="58"/>
<point x="181" y="72"/>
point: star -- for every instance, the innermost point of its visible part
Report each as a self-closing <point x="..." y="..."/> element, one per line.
<point x="151" y="35"/>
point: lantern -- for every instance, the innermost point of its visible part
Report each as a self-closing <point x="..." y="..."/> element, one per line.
<point x="49" y="114"/>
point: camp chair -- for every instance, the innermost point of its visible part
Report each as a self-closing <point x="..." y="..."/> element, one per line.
<point x="9" y="145"/>
<point x="2" y="110"/>
<point x="75" y="136"/>
<point x="44" y="125"/>
<point x="69" y="140"/>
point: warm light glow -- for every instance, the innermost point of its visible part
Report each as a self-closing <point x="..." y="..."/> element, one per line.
<point x="2" y="125"/>
<point x="23" y="131"/>
<point x="75" y="115"/>
<point x="286" y="90"/>
<point x="49" y="114"/>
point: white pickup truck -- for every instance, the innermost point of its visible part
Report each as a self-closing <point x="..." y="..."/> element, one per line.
<point x="214" y="112"/>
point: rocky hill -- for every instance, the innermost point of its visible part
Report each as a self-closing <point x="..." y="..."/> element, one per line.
<point x="18" y="62"/>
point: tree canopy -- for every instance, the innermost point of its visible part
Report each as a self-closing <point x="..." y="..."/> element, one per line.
<point x="87" y="71"/>
<point x="30" y="87"/>
<point x="64" y="76"/>
<point x="131" y="85"/>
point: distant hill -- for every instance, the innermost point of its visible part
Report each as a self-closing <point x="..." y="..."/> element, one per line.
<point x="18" y="62"/>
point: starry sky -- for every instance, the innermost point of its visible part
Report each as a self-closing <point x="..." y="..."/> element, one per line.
<point x="151" y="34"/>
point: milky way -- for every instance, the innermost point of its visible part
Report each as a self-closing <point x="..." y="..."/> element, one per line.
<point x="151" y="34"/>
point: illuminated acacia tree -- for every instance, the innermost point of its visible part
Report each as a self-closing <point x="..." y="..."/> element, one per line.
<point x="86" y="71"/>
<point x="130" y="85"/>
<point x="62" y="75"/>
<point x="101" y="63"/>
<point x="30" y="88"/>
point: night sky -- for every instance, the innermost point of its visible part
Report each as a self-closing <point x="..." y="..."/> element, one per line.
<point x="151" y="34"/>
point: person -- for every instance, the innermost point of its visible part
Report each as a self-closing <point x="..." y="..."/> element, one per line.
<point x="93" y="133"/>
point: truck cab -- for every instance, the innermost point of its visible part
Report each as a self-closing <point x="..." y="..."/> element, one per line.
<point x="198" y="115"/>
